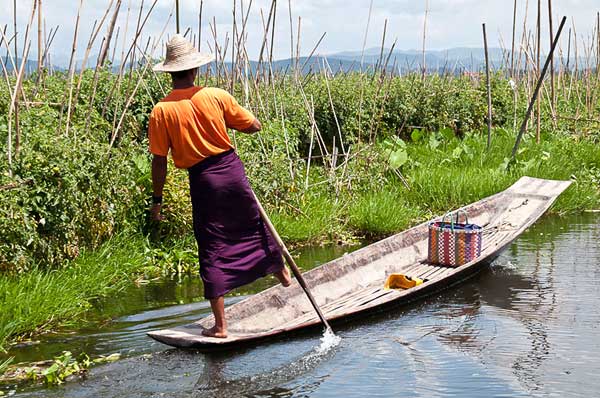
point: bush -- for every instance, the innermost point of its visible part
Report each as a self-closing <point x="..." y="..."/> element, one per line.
<point x="71" y="193"/>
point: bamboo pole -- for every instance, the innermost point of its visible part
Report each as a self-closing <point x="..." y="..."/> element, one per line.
<point x="200" y="24"/>
<point x="9" y="51"/>
<point x="380" y="59"/>
<point x="291" y="263"/>
<point x="313" y="51"/>
<point x="39" y="39"/>
<point x="15" y="32"/>
<point x="489" y="89"/>
<point x="537" y="67"/>
<point x="125" y="35"/>
<point x="111" y="28"/>
<point x="362" y="55"/>
<point x="134" y="47"/>
<point x="537" y="88"/>
<point x="124" y="60"/>
<point x="552" y="85"/>
<point x="424" y="62"/>
<point x="598" y="45"/>
<point x="512" y="52"/>
<point x="94" y="35"/>
<point x="233" y="49"/>
<point x="115" y="131"/>
<point x="5" y="72"/>
<point x="14" y="106"/>
<point x="264" y="40"/>
<point x="177" y="14"/>
<point x="291" y="30"/>
<point x="272" y="40"/>
<point x="297" y="61"/>
<point x="114" y="51"/>
<point x="524" y="39"/>
<point x="72" y="71"/>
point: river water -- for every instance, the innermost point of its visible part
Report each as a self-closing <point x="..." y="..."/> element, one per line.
<point x="528" y="325"/>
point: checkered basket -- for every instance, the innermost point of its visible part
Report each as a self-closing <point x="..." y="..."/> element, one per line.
<point x="453" y="243"/>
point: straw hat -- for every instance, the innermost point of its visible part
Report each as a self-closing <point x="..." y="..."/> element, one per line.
<point x="181" y="55"/>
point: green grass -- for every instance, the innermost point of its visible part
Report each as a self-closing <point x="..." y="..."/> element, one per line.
<point x="442" y="178"/>
<point x="40" y="300"/>
<point x="383" y="212"/>
<point x="315" y="218"/>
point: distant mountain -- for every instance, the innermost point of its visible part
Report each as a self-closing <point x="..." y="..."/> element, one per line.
<point x="461" y="57"/>
<point x="30" y="66"/>
<point x="452" y="60"/>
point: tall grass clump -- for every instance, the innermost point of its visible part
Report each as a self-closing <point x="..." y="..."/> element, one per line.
<point x="382" y="212"/>
<point x="41" y="299"/>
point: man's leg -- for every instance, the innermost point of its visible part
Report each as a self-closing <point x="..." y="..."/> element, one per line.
<point x="220" y="328"/>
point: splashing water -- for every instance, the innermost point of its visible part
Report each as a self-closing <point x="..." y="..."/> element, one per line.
<point x="328" y="341"/>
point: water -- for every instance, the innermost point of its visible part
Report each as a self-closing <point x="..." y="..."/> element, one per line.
<point x="526" y="326"/>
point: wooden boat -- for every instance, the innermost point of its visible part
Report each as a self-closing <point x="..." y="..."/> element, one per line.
<point x="354" y="283"/>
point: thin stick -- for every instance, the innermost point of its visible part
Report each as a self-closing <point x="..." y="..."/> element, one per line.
<point x="272" y="38"/>
<point x="291" y="30"/>
<point x="489" y="89"/>
<point x="265" y="37"/>
<point x="537" y="66"/>
<point x="512" y="52"/>
<point x="111" y="28"/>
<point x="114" y="52"/>
<point x="72" y="70"/>
<point x="552" y="93"/>
<point x="424" y="64"/>
<point x="362" y="55"/>
<point x="380" y="59"/>
<point x="313" y="51"/>
<point x="200" y="24"/>
<point x="15" y="31"/>
<point x="297" y="62"/>
<point x="8" y="50"/>
<point x="177" y="14"/>
<point x="537" y="88"/>
<point x="291" y="263"/>
<point x="14" y="106"/>
<point x="91" y="41"/>
<point x="5" y="73"/>
<point x="39" y="40"/>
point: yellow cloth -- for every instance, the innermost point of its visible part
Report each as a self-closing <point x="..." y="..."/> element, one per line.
<point x="400" y="281"/>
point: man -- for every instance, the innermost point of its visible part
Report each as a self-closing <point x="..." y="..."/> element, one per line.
<point x="234" y="245"/>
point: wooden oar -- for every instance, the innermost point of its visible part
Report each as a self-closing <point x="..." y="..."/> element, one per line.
<point x="291" y="262"/>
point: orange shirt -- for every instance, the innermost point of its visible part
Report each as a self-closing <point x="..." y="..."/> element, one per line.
<point x="193" y="124"/>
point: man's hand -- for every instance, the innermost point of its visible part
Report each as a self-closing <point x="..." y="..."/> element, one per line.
<point x="253" y="128"/>
<point x="155" y="212"/>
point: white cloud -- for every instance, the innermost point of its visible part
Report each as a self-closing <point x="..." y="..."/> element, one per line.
<point x="451" y="23"/>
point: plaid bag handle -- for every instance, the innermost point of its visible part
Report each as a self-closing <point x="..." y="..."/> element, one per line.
<point x="452" y="221"/>
<point x="449" y="216"/>
<point x="458" y="213"/>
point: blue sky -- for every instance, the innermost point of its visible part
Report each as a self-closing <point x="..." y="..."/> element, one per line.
<point x="451" y="23"/>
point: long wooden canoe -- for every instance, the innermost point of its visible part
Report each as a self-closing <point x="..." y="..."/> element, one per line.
<point x="353" y="284"/>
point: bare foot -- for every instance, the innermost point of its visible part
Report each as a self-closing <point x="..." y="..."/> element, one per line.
<point x="284" y="276"/>
<point x="219" y="333"/>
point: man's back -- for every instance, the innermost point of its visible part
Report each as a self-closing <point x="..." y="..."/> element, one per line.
<point x="193" y="123"/>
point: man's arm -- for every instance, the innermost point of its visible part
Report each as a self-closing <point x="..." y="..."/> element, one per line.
<point x="253" y="128"/>
<point x="159" y="176"/>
